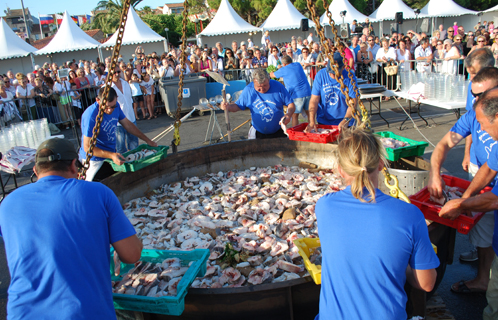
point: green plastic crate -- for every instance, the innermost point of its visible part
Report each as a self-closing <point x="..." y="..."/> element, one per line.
<point x="163" y="305"/>
<point x="415" y="148"/>
<point x="162" y="152"/>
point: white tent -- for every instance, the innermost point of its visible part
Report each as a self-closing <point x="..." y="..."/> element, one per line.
<point x="11" y="46"/>
<point x="227" y="21"/>
<point x="444" y="8"/>
<point x="136" y="32"/>
<point x="284" y="17"/>
<point x="337" y="6"/>
<point x="387" y="10"/>
<point x="69" y="38"/>
<point x="495" y="8"/>
<point x="14" y="51"/>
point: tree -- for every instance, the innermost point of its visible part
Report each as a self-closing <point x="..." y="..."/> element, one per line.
<point x="86" y="26"/>
<point x="109" y="14"/>
<point x="145" y="10"/>
<point x="158" y="22"/>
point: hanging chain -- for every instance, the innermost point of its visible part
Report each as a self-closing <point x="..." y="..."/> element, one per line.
<point x="108" y="84"/>
<point x="330" y="55"/>
<point x="183" y="68"/>
<point x="365" y="118"/>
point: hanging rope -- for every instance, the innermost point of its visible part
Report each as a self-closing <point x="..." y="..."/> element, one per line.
<point x="345" y="90"/>
<point x="395" y="191"/>
<point x="365" y="117"/>
<point x="183" y="53"/>
<point x="108" y="83"/>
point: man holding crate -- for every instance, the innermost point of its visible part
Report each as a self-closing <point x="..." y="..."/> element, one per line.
<point x="486" y="151"/>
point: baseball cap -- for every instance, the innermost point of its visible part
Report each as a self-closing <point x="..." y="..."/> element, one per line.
<point x="338" y="60"/>
<point x="243" y="43"/>
<point x="239" y="51"/>
<point x="62" y="150"/>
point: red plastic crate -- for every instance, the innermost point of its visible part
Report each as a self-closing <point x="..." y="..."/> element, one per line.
<point x="297" y="133"/>
<point x="463" y="223"/>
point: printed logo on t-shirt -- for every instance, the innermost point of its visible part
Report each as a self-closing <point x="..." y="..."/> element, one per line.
<point x="265" y="112"/>
<point x="109" y="129"/>
<point x="331" y="96"/>
<point x="485" y="137"/>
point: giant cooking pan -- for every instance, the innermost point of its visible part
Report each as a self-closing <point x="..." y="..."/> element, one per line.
<point x="295" y="299"/>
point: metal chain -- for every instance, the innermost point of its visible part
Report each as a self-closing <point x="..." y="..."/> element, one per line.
<point x="333" y="63"/>
<point x="108" y="84"/>
<point x="365" y="118"/>
<point x="183" y="53"/>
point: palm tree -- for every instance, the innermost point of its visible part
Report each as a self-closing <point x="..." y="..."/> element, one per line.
<point x="108" y="14"/>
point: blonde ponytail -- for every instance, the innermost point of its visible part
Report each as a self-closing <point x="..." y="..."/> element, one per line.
<point x="359" y="154"/>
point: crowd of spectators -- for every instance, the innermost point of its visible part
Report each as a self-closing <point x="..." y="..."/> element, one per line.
<point x="365" y="53"/>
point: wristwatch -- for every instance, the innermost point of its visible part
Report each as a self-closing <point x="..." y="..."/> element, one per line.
<point x="347" y="119"/>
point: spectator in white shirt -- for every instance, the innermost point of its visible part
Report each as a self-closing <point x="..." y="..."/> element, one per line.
<point x="310" y="37"/>
<point x="385" y="55"/>
<point x="423" y="53"/>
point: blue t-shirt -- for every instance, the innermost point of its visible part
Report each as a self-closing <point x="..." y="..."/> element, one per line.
<point x="57" y="233"/>
<point x="356" y="50"/>
<point x="470" y="98"/>
<point x="135" y="89"/>
<point x="495" y="230"/>
<point x="295" y="80"/>
<point x="483" y="146"/>
<point x="366" y="248"/>
<point x="106" y="139"/>
<point x="332" y="106"/>
<point x="266" y="108"/>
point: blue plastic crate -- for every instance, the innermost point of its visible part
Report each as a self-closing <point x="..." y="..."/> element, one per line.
<point x="163" y="305"/>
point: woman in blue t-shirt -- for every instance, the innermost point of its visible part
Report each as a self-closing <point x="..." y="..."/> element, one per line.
<point x="371" y="243"/>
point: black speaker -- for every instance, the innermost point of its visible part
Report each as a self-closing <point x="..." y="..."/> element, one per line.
<point x="344" y="30"/>
<point x="399" y="18"/>
<point x="304" y="25"/>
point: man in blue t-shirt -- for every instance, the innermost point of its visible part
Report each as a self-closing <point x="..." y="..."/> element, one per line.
<point x="297" y="84"/>
<point x="486" y="113"/>
<point x="266" y="99"/>
<point x="106" y="140"/>
<point x="57" y="234"/>
<point x="485" y="148"/>
<point x="328" y="104"/>
<point x="478" y="59"/>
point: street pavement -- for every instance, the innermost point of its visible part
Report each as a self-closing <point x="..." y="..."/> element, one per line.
<point x="193" y="132"/>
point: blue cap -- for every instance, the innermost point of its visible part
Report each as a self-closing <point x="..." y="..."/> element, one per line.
<point x="338" y="60"/>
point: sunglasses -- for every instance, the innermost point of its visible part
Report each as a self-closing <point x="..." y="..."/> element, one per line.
<point x="458" y="39"/>
<point x="480" y="41"/>
<point x="117" y="72"/>
<point x="452" y="31"/>
<point x="476" y="95"/>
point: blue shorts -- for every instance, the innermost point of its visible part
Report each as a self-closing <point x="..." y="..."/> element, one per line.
<point x="302" y="104"/>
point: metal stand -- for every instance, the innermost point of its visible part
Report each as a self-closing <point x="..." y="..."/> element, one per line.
<point x="410" y="111"/>
<point x="7" y="182"/>
<point x="213" y="122"/>
<point x="378" y="108"/>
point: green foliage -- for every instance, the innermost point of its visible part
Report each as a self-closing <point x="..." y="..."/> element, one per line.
<point x="263" y="8"/>
<point x="158" y="22"/>
<point x="360" y="5"/>
<point x="86" y="26"/>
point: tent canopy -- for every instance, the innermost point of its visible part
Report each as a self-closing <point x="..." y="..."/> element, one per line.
<point x="11" y="46"/>
<point x="444" y="8"/>
<point x="227" y="21"/>
<point x="387" y="10"/>
<point x="495" y="8"/>
<point x="337" y="6"/>
<point x="69" y="38"/>
<point x="283" y="17"/>
<point x="136" y="32"/>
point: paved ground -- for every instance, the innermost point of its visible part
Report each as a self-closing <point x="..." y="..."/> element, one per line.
<point x="193" y="132"/>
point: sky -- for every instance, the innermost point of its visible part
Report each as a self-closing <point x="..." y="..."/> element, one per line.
<point x="72" y="6"/>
